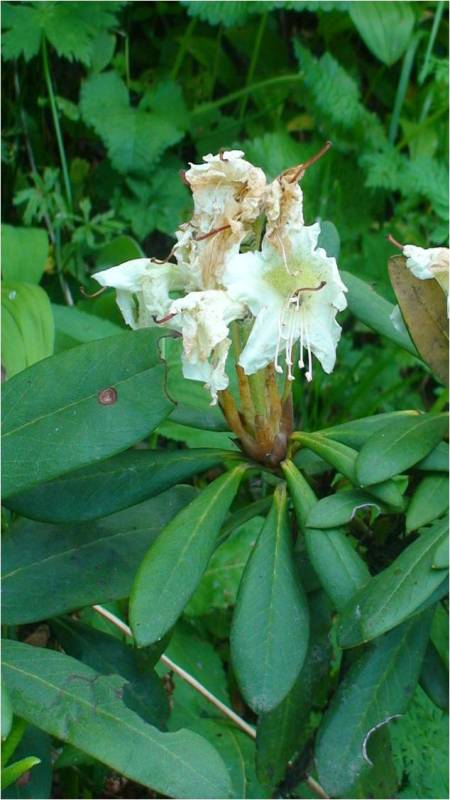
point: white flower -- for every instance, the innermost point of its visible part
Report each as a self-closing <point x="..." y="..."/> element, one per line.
<point x="142" y="289"/>
<point x="203" y="318"/>
<point x="294" y="290"/>
<point x="428" y="263"/>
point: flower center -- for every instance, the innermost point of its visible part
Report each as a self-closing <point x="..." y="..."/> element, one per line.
<point x="293" y="327"/>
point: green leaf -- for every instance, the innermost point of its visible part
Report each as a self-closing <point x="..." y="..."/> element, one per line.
<point x="7" y="713"/>
<point x="21" y="31"/>
<point x="143" y="692"/>
<point x="430" y="500"/>
<point x="53" y="416"/>
<point x="13" y="772"/>
<point x="27" y="326"/>
<point x="73" y="327"/>
<point x="434" y="677"/>
<point x="114" y="484"/>
<point x="344" y="460"/>
<point x="398" y="446"/>
<point x="219" y="586"/>
<point x="135" y="139"/>
<point x="374" y="311"/>
<point x="300" y="491"/>
<point x="386" y="28"/>
<point x="78" y="705"/>
<point x="283" y="732"/>
<point x="377" y="687"/>
<point x="24" y="250"/>
<point x="42" y="563"/>
<point x="122" y="248"/>
<point x="40" y="778"/>
<point x="270" y="629"/>
<point x="338" y="509"/>
<point x="440" y="558"/>
<point x="437" y="460"/>
<point x="396" y="592"/>
<point x="355" y="434"/>
<point x="424" y="310"/>
<point x="172" y="568"/>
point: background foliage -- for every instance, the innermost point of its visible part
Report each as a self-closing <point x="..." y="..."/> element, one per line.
<point x="104" y="104"/>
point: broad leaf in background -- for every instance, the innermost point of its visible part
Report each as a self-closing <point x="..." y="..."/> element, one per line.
<point x="42" y="563"/>
<point x="78" y="705"/>
<point x="399" y="445"/>
<point x="395" y="593"/>
<point x="119" y="482"/>
<point x="340" y="508"/>
<point x="355" y="434"/>
<point x="27" y="327"/>
<point x="386" y="28"/>
<point x="377" y="688"/>
<point x="143" y="692"/>
<point x="73" y="327"/>
<point x="423" y="307"/>
<point x="39" y="783"/>
<point x="270" y="629"/>
<point x="24" y="251"/>
<point x="81" y="406"/>
<point x="172" y="568"/>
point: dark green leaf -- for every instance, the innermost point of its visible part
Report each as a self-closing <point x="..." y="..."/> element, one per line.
<point x="109" y="486"/>
<point x="385" y="28"/>
<point x="440" y="558"/>
<point x="340" y="508"/>
<point x="434" y="677"/>
<point x="7" y="713"/>
<point x="355" y="434"/>
<point x="437" y="460"/>
<point x="377" y="688"/>
<point x="270" y="629"/>
<point x="13" y="772"/>
<point x="172" y="568"/>
<point x="54" y="418"/>
<point x="42" y="563"/>
<point x="76" y="327"/>
<point x="430" y="500"/>
<point x="398" y="446"/>
<point x="78" y="705"/>
<point x="40" y="780"/>
<point x="341" y="571"/>
<point x="396" y="592"/>
<point x="374" y="311"/>
<point x="143" y="692"/>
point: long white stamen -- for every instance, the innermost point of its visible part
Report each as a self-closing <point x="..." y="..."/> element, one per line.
<point x="301" y="362"/>
<point x="280" y="332"/>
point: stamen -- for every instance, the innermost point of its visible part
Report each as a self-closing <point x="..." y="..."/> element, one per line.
<point x="394" y="242"/>
<point x="167" y="318"/>
<point x="94" y="294"/>
<point x="308" y="373"/>
<point x="211" y="233"/>
<point x="301" y="169"/>
<point x="311" y="288"/>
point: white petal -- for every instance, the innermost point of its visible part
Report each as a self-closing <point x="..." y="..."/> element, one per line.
<point x="261" y="345"/>
<point x="418" y="261"/>
<point x="323" y="334"/>
<point x="125" y="276"/>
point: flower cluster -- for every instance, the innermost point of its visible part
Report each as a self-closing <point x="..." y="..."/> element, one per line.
<point x="283" y="285"/>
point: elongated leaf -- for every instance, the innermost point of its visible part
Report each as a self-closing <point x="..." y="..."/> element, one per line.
<point x="27" y="327"/>
<point x="13" y="772"/>
<point x="121" y="481"/>
<point x="434" y="677"/>
<point x="440" y="558"/>
<point x="430" y="500"/>
<point x="40" y="779"/>
<point x="144" y="692"/>
<point x="172" y="568"/>
<point x="376" y="688"/>
<point x="437" y="460"/>
<point x="78" y="705"/>
<point x="7" y="713"/>
<point x="423" y="307"/>
<point x="57" y="415"/>
<point x="300" y="491"/>
<point x="374" y="311"/>
<point x="43" y="564"/>
<point x="270" y="629"/>
<point x="386" y="28"/>
<point x="355" y="434"/>
<point x="340" y="508"/>
<point x="344" y="459"/>
<point x="282" y="732"/>
<point x="398" y="446"/>
<point x="24" y="252"/>
<point x="74" y="327"/>
<point x="396" y="593"/>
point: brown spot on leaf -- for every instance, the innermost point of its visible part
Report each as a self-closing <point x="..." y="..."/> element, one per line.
<point x="107" y="397"/>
